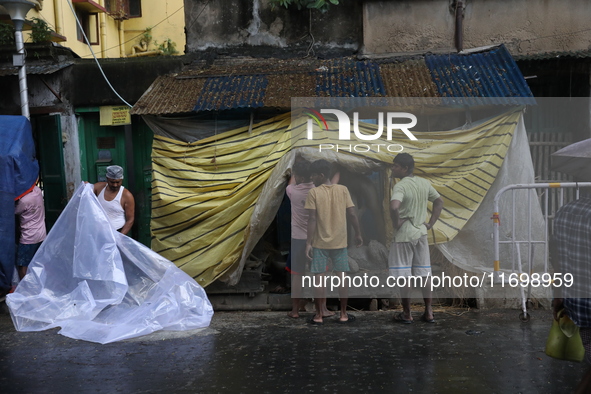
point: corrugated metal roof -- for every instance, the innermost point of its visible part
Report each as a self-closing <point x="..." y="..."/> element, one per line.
<point x="232" y="91"/>
<point x="170" y="95"/>
<point x="35" y="69"/>
<point x="349" y="78"/>
<point x="255" y="83"/>
<point x="493" y="73"/>
<point x="410" y="78"/>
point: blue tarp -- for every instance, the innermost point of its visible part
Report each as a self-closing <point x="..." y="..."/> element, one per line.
<point x="18" y="172"/>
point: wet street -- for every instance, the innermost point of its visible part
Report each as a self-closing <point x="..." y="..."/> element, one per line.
<point x="489" y="351"/>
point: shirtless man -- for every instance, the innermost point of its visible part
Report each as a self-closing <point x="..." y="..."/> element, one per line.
<point x="117" y="201"/>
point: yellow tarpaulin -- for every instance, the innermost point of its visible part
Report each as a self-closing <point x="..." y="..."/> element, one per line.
<point x="205" y="192"/>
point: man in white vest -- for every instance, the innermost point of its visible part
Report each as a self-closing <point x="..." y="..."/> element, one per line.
<point x="117" y="201"/>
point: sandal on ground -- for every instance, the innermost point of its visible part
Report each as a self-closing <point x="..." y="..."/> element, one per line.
<point x="399" y="318"/>
<point x="424" y="318"/>
<point x="350" y="319"/>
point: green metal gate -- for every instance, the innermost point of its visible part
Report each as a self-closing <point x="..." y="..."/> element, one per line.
<point x="48" y="137"/>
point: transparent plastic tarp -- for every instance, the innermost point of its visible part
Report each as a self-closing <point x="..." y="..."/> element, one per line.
<point x="101" y="286"/>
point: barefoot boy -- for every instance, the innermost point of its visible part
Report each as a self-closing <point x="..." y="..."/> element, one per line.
<point x="329" y="206"/>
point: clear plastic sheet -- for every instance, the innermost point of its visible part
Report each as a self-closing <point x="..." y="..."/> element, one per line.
<point x="101" y="286"/>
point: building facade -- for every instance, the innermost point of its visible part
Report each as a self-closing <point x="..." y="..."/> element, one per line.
<point x="550" y="41"/>
<point x="114" y="28"/>
<point x="67" y="90"/>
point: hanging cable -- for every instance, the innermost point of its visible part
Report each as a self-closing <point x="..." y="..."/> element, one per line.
<point x="94" y="56"/>
<point x="198" y="15"/>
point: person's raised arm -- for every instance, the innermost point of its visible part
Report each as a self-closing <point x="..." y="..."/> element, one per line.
<point x="292" y="180"/>
<point x="336" y="177"/>
<point x="98" y="187"/>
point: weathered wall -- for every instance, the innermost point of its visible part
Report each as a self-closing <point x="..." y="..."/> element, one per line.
<point x="131" y="77"/>
<point x="166" y="20"/>
<point x="164" y="17"/>
<point x="72" y="151"/>
<point x="252" y="23"/>
<point x="525" y="26"/>
<point x="407" y="26"/>
<point x="45" y="87"/>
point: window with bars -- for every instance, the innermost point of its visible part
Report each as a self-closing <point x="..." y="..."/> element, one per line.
<point x="124" y="9"/>
<point x="135" y="8"/>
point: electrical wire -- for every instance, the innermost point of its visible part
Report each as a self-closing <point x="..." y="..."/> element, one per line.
<point x="94" y="56"/>
<point x="198" y="15"/>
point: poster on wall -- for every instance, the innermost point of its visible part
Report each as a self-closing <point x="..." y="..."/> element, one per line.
<point x="114" y="115"/>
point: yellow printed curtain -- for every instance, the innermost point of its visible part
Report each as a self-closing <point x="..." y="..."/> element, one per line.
<point x="204" y="193"/>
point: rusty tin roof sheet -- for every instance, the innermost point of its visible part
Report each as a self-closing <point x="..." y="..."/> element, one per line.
<point x="36" y="69"/>
<point x="255" y="83"/>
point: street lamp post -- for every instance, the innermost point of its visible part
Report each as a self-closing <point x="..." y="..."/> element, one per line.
<point x="17" y="9"/>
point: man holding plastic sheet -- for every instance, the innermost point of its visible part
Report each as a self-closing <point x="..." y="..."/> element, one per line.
<point x="571" y="255"/>
<point x="117" y="201"/>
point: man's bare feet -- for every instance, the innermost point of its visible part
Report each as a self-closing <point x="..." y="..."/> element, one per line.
<point x="316" y="320"/>
<point x="293" y="314"/>
<point x="327" y="313"/>
<point x="346" y="318"/>
<point x="428" y="316"/>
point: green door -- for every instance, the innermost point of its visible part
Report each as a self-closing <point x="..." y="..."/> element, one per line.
<point x="102" y="146"/>
<point x="48" y="136"/>
<point x="130" y="148"/>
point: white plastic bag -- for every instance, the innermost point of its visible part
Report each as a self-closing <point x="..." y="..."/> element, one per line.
<point x="101" y="286"/>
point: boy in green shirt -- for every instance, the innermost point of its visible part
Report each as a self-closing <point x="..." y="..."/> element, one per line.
<point x="409" y="253"/>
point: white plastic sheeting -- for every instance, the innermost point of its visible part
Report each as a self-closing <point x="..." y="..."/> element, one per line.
<point x="101" y="286"/>
<point x="517" y="168"/>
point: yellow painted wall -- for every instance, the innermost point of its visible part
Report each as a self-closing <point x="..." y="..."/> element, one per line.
<point x="167" y="19"/>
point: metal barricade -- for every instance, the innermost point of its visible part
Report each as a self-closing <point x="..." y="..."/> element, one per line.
<point x="517" y="263"/>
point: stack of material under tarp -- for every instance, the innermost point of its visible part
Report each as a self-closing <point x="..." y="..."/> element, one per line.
<point x="19" y="170"/>
<point x="101" y="286"/>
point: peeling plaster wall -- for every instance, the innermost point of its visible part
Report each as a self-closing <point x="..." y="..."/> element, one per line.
<point x="40" y="94"/>
<point x="407" y="26"/>
<point x="541" y="26"/>
<point x="72" y="151"/>
<point x="233" y="23"/>
<point x="525" y="26"/>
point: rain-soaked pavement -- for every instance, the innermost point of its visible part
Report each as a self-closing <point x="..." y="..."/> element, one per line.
<point x="489" y="351"/>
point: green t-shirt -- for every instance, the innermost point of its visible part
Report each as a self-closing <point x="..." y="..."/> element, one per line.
<point x="413" y="193"/>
